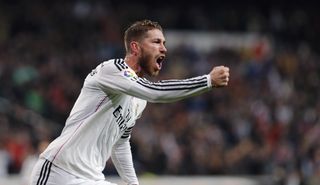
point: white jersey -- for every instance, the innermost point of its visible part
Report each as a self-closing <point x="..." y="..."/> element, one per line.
<point x="99" y="125"/>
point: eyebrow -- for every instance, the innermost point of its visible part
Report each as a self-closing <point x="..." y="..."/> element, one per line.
<point x="159" y="39"/>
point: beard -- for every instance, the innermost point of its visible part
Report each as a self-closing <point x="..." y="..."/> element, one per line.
<point x="145" y="62"/>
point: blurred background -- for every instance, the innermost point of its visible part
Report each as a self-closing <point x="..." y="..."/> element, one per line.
<point x="264" y="125"/>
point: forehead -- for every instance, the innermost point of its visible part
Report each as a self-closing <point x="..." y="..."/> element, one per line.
<point x="154" y="34"/>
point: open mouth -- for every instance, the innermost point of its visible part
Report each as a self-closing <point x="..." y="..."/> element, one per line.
<point x="160" y="61"/>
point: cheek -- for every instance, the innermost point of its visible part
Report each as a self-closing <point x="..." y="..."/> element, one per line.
<point x="151" y="48"/>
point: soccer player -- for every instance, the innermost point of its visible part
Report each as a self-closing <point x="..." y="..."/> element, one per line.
<point x="112" y="98"/>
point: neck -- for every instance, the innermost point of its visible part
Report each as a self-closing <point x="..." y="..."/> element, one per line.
<point x="133" y="63"/>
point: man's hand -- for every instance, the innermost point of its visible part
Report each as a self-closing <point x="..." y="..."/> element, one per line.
<point x="219" y="76"/>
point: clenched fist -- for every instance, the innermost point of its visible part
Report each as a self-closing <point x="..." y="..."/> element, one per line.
<point x="219" y="76"/>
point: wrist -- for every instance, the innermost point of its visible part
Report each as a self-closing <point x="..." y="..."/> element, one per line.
<point x="209" y="81"/>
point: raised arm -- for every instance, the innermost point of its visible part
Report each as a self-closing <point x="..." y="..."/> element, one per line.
<point x="115" y="77"/>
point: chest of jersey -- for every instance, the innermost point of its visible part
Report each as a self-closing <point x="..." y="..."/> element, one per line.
<point x="127" y="110"/>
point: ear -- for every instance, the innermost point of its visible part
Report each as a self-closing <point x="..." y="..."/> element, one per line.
<point x="135" y="48"/>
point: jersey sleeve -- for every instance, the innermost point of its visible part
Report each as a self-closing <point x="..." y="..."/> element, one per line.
<point x="115" y="76"/>
<point x="122" y="159"/>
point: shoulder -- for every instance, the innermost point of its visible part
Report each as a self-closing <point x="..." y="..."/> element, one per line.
<point x="112" y="66"/>
<point x="117" y="64"/>
<point x="115" y="68"/>
<point x="120" y="64"/>
<point x="119" y="68"/>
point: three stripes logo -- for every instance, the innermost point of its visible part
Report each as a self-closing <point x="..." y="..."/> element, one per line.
<point x="175" y="85"/>
<point x="44" y="174"/>
<point x="119" y="63"/>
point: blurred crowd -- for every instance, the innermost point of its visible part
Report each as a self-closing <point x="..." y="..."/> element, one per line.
<point x="265" y="122"/>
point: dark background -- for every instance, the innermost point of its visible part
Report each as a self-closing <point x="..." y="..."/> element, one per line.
<point x="265" y="122"/>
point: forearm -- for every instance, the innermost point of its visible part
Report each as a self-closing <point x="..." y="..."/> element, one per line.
<point x="122" y="159"/>
<point x="173" y="90"/>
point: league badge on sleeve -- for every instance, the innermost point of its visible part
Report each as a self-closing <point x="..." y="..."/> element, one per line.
<point x="128" y="73"/>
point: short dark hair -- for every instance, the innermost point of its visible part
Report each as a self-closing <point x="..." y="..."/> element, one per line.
<point x="137" y="30"/>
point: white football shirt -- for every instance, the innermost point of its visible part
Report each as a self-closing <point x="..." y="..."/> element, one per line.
<point x="99" y="125"/>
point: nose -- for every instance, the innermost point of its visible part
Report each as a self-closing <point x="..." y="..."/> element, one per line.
<point x="163" y="49"/>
